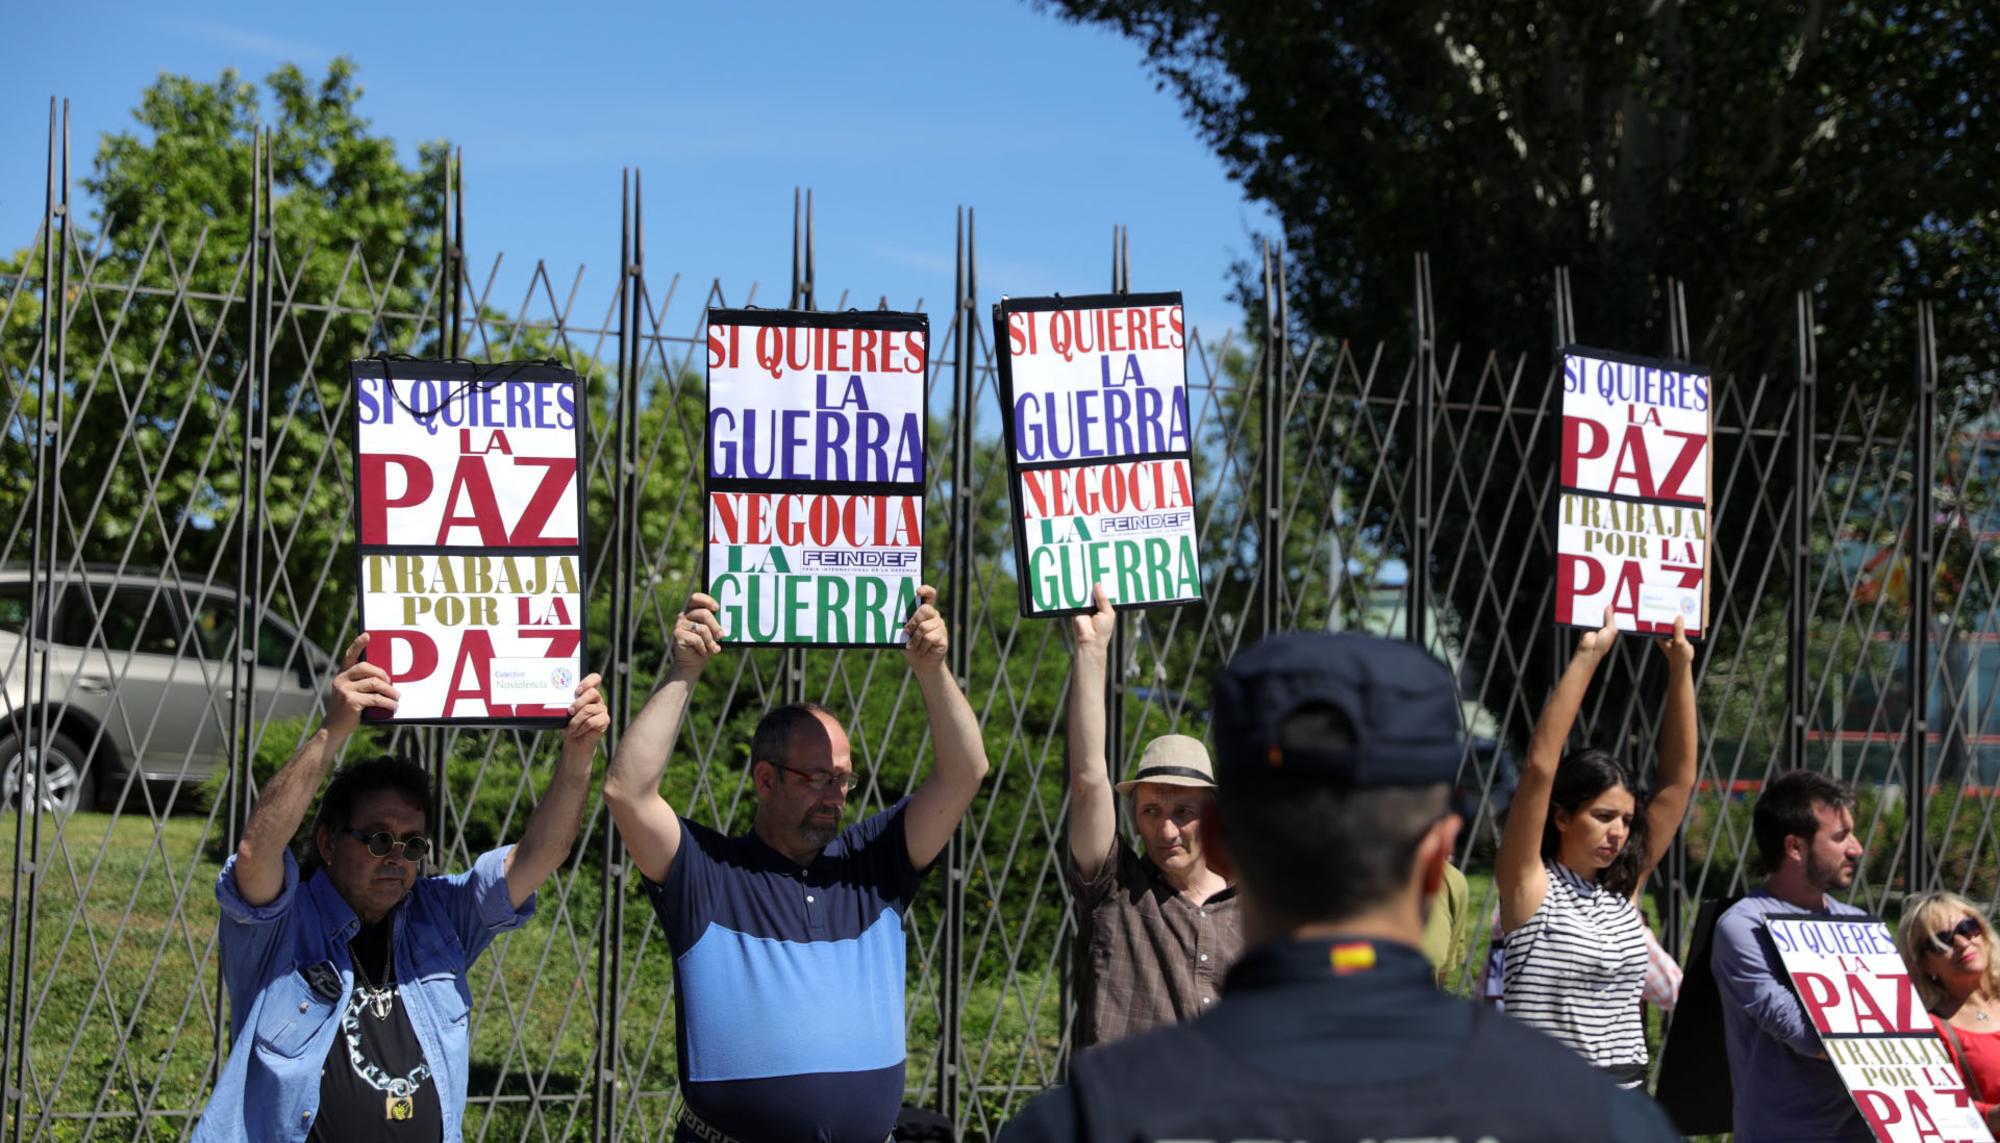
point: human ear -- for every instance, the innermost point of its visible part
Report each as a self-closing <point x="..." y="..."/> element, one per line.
<point x="1214" y="847"/>
<point x="1434" y="852"/>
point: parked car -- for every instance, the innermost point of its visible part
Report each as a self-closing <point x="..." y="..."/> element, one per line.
<point x="138" y="684"/>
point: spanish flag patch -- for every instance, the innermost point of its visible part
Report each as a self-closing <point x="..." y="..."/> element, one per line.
<point x="1352" y="958"/>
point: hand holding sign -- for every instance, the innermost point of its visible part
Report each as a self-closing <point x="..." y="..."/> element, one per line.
<point x="1677" y="649"/>
<point x="928" y="640"/>
<point x="1596" y="644"/>
<point x="697" y="633"/>
<point x="589" y="718"/>
<point x="1093" y="629"/>
<point x="359" y="686"/>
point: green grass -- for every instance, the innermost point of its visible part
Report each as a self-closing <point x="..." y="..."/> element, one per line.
<point x="124" y="1009"/>
<point x="124" y="1006"/>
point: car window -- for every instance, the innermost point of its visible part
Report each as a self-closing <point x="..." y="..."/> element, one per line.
<point x="120" y="619"/>
<point x="14" y="608"/>
<point x="215" y="626"/>
<point x="275" y="647"/>
<point x="215" y="622"/>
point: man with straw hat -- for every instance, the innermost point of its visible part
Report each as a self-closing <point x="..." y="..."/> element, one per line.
<point x="1158" y="927"/>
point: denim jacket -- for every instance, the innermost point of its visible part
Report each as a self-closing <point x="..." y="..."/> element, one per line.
<point x="281" y="1029"/>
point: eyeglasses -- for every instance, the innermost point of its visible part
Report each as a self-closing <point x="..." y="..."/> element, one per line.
<point x="415" y="847"/>
<point x="818" y="780"/>
<point x="1969" y="928"/>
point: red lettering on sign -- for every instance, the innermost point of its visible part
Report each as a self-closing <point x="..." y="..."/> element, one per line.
<point x="560" y="472"/>
<point x="1674" y="487"/>
<point x="1143" y="486"/>
<point x="824" y="520"/>
<point x="1880" y="1109"/>
<point x="375" y="503"/>
<point x="1582" y="440"/>
<point x="475" y="655"/>
<point x="470" y="482"/>
<point x="1583" y="576"/>
<point x="1632" y="469"/>
<point x="382" y="652"/>
<point x="1820" y="996"/>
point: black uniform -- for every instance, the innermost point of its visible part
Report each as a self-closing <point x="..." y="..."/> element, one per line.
<point x="1331" y="1041"/>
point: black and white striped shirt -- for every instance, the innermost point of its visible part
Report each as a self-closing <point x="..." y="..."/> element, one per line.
<point x="1576" y="970"/>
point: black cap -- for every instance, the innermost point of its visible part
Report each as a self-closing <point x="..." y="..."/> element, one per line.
<point x="1400" y="700"/>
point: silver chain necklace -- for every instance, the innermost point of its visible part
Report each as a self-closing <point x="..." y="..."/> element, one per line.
<point x="399" y="1092"/>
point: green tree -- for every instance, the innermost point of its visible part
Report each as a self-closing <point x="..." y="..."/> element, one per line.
<point x="1749" y="152"/>
<point x="158" y="328"/>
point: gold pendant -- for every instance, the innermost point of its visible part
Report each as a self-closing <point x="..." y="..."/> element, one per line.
<point x="399" y="1107"/>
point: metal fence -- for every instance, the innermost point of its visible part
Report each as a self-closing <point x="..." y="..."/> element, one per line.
<point x="174" y="562"/>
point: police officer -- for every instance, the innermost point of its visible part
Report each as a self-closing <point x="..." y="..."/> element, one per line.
<point x="1335" y="755"/>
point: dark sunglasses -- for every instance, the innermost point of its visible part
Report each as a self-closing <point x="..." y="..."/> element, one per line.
<point x="415" y="847"/>
<point x="1969" y="928"/>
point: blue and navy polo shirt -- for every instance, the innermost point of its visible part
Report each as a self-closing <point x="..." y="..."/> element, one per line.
<point x="789" y="980"/>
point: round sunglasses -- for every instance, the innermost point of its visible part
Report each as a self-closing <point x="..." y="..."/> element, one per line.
<point x="415" y="847"/>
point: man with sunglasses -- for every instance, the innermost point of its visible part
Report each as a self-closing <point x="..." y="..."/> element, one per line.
<point x="1784" y="1086"/>
<point x="788" y="941"/>
<point x="347" y="993"/>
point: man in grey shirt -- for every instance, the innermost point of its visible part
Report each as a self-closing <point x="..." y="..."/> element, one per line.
<point x="1785" y="1087"/>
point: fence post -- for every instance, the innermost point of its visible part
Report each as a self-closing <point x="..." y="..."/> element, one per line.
<point x="1923" y="578"/>
<point x="43" y="576"/>
<point x="1804" y="419"/>
<point x="951" y="1049"/>
<point x="1672" y="903"/>
<point x="1270" y="548"/>
<point x="1418" y="592"/>
<point x="1114" y="678"/>
<point x="792" y="662"/>
<point x="618" y="673"/>
<point x="1565" y="334"/>
<point x="454" y="250"/>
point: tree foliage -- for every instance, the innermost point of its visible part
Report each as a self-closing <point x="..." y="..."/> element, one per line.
<point x="1748" y="150"/>
<point x="159" y="324"/>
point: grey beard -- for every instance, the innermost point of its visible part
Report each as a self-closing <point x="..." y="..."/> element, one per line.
<point x="817" y="836"/>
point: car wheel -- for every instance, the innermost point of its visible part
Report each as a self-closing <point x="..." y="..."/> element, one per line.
<point x="56" y="786"/>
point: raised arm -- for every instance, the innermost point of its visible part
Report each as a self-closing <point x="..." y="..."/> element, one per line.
<point x="1093" y="808"/>
<point x="551" y="829"/>
<point x="1522" y="880"/>
<point x="1680" y="742"/>
<point x="943" y="798"/>
<point x="260" y="856"/>
<point x="646" y="823"/>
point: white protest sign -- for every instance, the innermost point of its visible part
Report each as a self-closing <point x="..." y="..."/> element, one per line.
<point x="1094" y="397"/>
<point x="468" y="504"/>
<point x="815" y="475"/>
<point x="1632" y="514"/>
<point x="1857" y="992"/>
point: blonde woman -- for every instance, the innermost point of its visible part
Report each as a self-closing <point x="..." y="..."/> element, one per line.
<point x="1949" y="948"/>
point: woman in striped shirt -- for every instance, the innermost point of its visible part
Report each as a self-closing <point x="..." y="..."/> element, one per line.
<point x="1579" y="841"/>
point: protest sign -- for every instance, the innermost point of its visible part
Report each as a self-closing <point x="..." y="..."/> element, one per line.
<point x="814" y="476"/>
<point x="1093" y="394"/>
<point x="1632" y="519"/>
<point x="1857" y="992"/>
<point x="469" y="508"/>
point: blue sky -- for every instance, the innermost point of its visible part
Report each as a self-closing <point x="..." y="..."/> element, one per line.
<point x="894" y="113"/>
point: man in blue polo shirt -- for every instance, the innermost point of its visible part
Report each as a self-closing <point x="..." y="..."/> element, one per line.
<point x="788" y="941"/>
<point x="1334" y="759"/>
